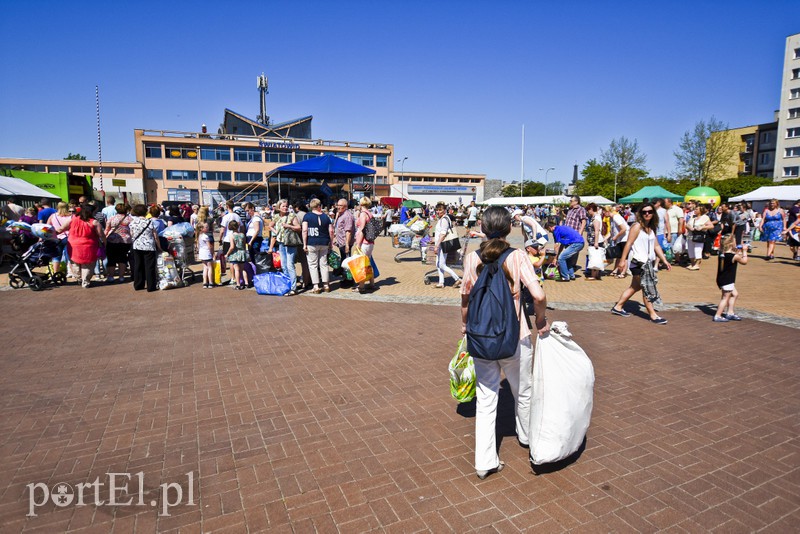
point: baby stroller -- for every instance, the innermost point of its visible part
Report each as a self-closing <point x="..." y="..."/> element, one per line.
<point x="40" y="254"/>
<point x="179" y="249"/>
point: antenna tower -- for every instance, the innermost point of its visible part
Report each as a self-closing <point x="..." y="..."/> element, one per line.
<point x="263" y="89"/>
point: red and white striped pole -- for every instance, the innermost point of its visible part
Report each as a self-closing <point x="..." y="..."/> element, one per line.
<point x="99" y="143"/>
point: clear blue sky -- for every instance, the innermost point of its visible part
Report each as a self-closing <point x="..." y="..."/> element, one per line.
<point x="448" y="83"/>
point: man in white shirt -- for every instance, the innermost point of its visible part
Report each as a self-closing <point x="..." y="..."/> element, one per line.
<point x="472" y="215"/>
<point x="675" y="216"/>
<point x="664" y="231"/>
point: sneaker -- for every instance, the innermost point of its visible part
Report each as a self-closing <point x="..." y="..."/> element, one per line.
<point x="483" y="474"/>
<point x="658" y="320"/>
<point x="621" y="313"/>
<point x="721" y="319"/>
<point x="732" y="317"/>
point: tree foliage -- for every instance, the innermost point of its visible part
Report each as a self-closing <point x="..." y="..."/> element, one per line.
<point x="533" y="189"/>
<point x="76" y="156"/>
<point x="701" y="156"/>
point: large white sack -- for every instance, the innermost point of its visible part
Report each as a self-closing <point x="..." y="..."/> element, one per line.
<point x="561" y="404"/>
<point x="597" y="258"/>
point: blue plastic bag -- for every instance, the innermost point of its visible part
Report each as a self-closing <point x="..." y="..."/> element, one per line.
<point x="264" y="246"/>
<point x="272" y="284"/>
<point x="375" y="272"/>
<point x="182" y="229"/>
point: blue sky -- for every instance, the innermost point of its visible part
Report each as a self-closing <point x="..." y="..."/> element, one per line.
<point x="448" y="83"/>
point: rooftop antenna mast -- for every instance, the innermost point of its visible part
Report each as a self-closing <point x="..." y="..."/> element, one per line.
<point x="263" y="88"/>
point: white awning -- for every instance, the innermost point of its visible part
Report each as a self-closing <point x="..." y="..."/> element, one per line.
<point x="549" y="199"/>
<point x="788" y="193"/>
<point x="16" y="187"/>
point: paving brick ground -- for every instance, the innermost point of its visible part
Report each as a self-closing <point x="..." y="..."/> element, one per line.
<point x="314" y="414"/>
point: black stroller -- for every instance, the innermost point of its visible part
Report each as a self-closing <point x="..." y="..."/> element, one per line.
<point x="40" y="254"/>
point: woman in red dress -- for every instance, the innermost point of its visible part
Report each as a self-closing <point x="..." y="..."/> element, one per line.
<point x="83" y="243"/>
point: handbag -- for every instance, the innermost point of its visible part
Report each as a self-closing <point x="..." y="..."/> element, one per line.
<point x="698" y="237"/>
<point x="290" y="237"/>
<point x="451" y="241"/>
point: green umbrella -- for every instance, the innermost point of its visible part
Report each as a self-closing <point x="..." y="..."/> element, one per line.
<point x="703" y="195"/>
<point x="413" y="204"/>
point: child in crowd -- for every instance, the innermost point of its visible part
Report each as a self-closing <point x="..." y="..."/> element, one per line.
<point x="205" y="253"/>
<point x="726" y="276"/>
<point x="536" y="255"/>
<point x="237" y="255"/>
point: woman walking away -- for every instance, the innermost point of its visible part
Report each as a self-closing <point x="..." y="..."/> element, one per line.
<point x="698" y="225"/>
<point x="144" y="245"/>
<point x="317" y="237"/>
<point x="773" y="224"/>
<point x="595" y="237"/>
<point x="363" y="216"/>
<point x="60" y="223"/>
<point x="85" y="236"/>
<point x="517" y="270"/>
<point x="726" y="277"/>
<point x="205" y="253"/>
<point x="643" y="248"/>
<point x="442" y="227"/>
<point x="118" y="247"/>
<point x="237" y="255"/>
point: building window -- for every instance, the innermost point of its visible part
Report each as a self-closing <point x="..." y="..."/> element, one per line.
<point x="796" y="74"/>
<point x="216" y="154"/>
<point x="764" y="158"/>
<point x="248" y="176"/>
<point x="303" y="156"/>
<point x="182" y="152"/>
<point x="381" y="160"/>
<point x="766" y="138"/>
<point x="797" y="53"/>
<point x="794" y="113"/>
<point x="278" y="157"/>
<point x="791" y="133"/>
<point x="791" y="172"/>
<point x="181" y="175"/>
<point x="216" y="176"/>
<point x="152" y="151"/>
<point x="155" y="174"/>
<point x="748" y="165"/>
<point x="124" y="170"/>
<point x="58" y="168"/>
<point x="362" y="159"/>
<point x="794" y="93"/>
<point x="247" y="154"/>
<point x="381" y="180"/>
<point x="792" y="152"/>
<point x="87" y="170"/>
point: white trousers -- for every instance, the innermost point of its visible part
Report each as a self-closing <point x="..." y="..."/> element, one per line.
<point x="517" y="370"/>
<point x="442" y="267"/>
<point x="695" y="250"/>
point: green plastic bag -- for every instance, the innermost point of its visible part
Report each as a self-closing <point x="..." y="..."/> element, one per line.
<point x="462" y="374"/>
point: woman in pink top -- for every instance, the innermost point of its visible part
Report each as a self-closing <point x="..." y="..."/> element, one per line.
<point x="496" y="224"/>
<point x="85" y="236"/>
<point x="60" y="223"/>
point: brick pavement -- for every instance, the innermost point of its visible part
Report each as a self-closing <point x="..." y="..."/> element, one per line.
<point x="305" y="414"/>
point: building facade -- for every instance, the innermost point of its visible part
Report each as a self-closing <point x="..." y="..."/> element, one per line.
<point x="787" y="151"/>
<point x="188" y="166"/>
<point x="430" y="188"/>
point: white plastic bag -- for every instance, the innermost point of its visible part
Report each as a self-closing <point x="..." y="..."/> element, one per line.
<point x="679" y="246"/>
<point x="561" y="404"/>
<point x="597" y="258"/>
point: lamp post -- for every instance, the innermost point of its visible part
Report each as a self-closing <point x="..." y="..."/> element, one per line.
<point x="545" y="178"/>
<point x="402" y="171"/>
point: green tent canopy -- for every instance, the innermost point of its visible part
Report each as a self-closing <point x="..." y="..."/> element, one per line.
<point x="651" y="192"/>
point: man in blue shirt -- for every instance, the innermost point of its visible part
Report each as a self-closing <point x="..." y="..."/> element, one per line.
<point x="111" y="208"/>
<point x="46" y="210"/>
<point x="568" y="244"/>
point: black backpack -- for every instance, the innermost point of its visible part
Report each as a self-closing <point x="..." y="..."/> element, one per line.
<point x="492" y="319"/>
<point x="373" y="228"/>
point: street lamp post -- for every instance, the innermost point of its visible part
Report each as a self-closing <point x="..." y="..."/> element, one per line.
<point x="402" y="172"/>
<point x="545" y="178"/>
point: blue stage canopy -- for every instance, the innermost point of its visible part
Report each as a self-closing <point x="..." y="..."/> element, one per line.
<point x="329" y="165"/>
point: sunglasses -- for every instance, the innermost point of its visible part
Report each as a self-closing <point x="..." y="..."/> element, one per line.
<point x="647" y="212"/>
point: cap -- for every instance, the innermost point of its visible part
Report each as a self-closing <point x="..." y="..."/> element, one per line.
<point x="532" y="243"/>
<point x="516" y="212"/>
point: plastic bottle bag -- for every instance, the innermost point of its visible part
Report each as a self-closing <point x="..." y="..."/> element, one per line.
<point x="561" y="403"/>
<point x="462" y="374"/>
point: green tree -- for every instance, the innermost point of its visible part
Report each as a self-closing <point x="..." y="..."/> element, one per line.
<point x="76" y="156"/>
<point x="598" y="179"/>
<point x="627" y="161"/>
<point x="701" y="156"/>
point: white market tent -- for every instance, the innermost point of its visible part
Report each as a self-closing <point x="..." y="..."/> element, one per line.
<point x="16" y="187"/>
<point x="788" y="193"/>
<point x="549" y="199"/>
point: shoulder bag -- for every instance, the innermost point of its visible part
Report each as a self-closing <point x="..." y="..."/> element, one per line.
<point x="290" y="237"/>
<point x="451" y="241"/>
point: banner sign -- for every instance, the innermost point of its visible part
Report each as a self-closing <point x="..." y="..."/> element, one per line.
<point x="441" y="189"/>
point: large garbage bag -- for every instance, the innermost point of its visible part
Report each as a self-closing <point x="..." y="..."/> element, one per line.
<point x="167" y="273"/>
<point x="182" y="229"/>
<point x="263" y="262"/>
<point x="561" y="404"/>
